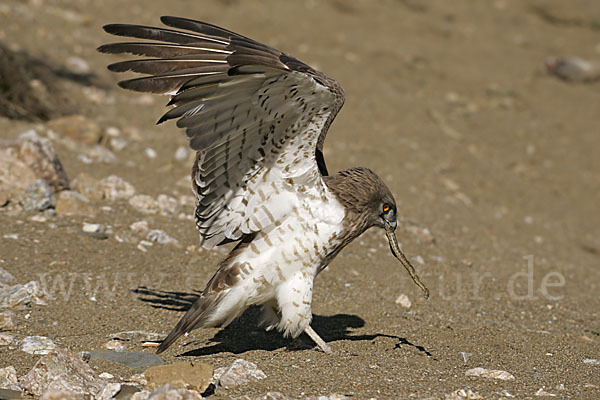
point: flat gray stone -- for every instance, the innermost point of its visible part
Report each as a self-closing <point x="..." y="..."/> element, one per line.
<point x="130" y="359"/>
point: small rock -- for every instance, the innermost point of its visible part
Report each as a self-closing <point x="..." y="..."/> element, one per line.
<point x="144" y="204"/>
<point x="140" y="226"/>
<point x="167" y="205"/>
<point x="116" y="188"/>
<point x="6" y="339"/>
<point x="464" y="357"/>
<point x="88" y="186"/>
<point x="102" y="154"/>
<point x="160" y="236"/>
<point x="573" y="69"/>
<point x="490" y="373"/>
<point x="115" y="345"/>
<point x="185" y="375"/>
<point x="8" y="378"/>
<point x="8" y="321"/>
<point x="404" y="301"/>
<point x="30" y="158"/>
<point x="37" y="196"/>
<point x="62" y="370"/>
<point x="73" y="203"/>
<point x="117" y="144"/>
<point x="591" y="361"/>
<point x="57" y="394"/>
<point x="77" y="65"/>
<point x="130" y="359"/>
<point x="150" y="152"/>
<point x="542" y="392"/>
<point x="182" y="153"/>
<point x="463" y="394"/>
<point x="138" y="336"/>
<point x="167" y="392"/>
<point x="78" y="128"/>
<point x="92" y="228"/>
<point x="106" y="375"/>
<point x="21" y="295"/>
<point x="37" y="345"/>
<point x="239" y="373"/>
<point x="109" y="391"/>
<point x="5" y="276"/>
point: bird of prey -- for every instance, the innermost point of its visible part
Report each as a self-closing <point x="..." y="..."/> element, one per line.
<point x="257" y="119"/>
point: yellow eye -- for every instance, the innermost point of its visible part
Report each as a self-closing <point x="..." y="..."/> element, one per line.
<point x="386" y="208"/>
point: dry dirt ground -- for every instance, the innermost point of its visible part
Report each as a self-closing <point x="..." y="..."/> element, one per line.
<point x="449" y="103"/>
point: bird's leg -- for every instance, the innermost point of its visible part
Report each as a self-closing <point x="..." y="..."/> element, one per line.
<point x="317" y="339"/>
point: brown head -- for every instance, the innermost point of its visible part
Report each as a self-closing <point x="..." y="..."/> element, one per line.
<point x="368" y="203"/>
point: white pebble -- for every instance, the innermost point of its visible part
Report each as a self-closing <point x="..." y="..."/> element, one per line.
<point x="92" y="228"/>
<point x="404" y="301"/>
<point x="181" y="153"/>
<point x="150" y="152"/>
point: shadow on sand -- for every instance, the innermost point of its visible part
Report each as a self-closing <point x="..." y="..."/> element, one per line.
<point x="244" y="335"/>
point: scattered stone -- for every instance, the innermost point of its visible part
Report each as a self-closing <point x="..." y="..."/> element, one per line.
<point x="168" y="205"/>
<point x="78" y="128"/>
<point x="6" y="339"/>
<point x="404" y="301"/>
<point x="127" y="392"/>
<point x="92" y="228"/>
<point x="8" y="321"/>
<point x="21" y="295"/>
<point x="88" y="186"/>
<point x="140" y="226"/>
<point x="37" y="345"/>
<point x="139" y="379"/>
<point x="573" y="69"/>
<point x="106" y="375"/>
<point x="30" y="158"/>
<point x="184" y="375"/>
<point x="591" y="361"/>
<point x="109" y="391"/>
<point x="115" y="345"/>
<point x="101" y="154"/>
<point x="150" y="152"/>
<point x="38" y="218"/>
<point x="77" y="65"/>
<point x="490" y="373"/>
<point x="56" y="394"/>
<point x="5" y="277"/>
<point x="138" y="336"/>
<point x="464" y="357"/>
<point x="160" y="236"/>
<point x="117" y="144"/>
<point x="144" y="204"/>
<point x="116" y="188"/>
<point x="182" y="153"/>
<point x="542" y="392"/>
<point x="167" y="392"/>
<point x="239" y="373"/>
<point x="8" y="378"/>
<point x="130" y="359"/>
<point x="37" y="196"/>
<point x="62" y="370"/>
<point x="462" y="394"/>
<point x="73" y="203"/>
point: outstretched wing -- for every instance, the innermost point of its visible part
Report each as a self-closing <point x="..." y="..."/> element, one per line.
<point x="256" y="117"/>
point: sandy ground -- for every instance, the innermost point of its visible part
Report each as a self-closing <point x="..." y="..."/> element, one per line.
<point x="449" y="103"/>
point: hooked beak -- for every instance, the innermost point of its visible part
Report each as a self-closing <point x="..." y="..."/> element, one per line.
<point x="389" y="232"/>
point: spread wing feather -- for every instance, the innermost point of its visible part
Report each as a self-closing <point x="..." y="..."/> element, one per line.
<point x="256" y="117"/>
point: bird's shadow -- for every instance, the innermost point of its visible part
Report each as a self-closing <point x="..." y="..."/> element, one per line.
<point x="244" y="335"/>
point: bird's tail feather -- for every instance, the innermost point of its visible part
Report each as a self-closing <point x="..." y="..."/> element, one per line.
<point x="196" y="317"/>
